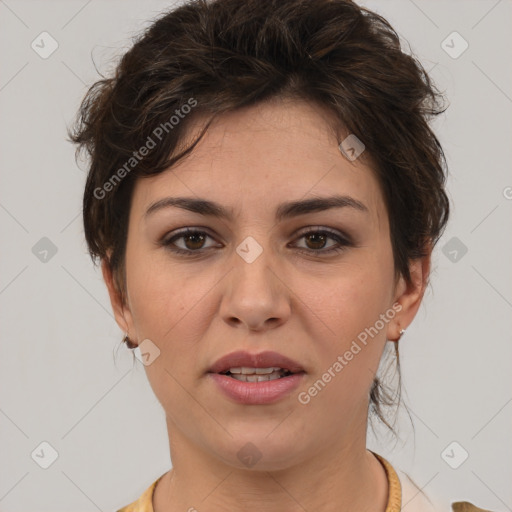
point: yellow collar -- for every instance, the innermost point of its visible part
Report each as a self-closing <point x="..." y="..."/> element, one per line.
<point x="394" y="488"/>
<point x="145" y="502"/>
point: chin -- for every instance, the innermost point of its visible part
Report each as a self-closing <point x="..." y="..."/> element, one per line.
<point x="261" y="452"/>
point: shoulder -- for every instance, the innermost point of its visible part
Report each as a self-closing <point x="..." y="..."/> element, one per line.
<point x="145" y="502"/>
<point x="414" y="499"/>
<point x="465" y="506"/>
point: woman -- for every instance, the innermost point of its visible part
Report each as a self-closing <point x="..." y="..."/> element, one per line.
<point x="264" y="195"/>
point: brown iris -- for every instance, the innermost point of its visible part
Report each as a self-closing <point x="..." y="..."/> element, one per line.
<point x="317" y="238"/>
<point x="194" y="236"/>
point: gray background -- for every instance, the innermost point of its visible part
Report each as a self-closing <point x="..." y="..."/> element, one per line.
<point x="64" y="378"/>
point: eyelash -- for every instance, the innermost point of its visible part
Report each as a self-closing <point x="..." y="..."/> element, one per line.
<point x="342" y="241"/>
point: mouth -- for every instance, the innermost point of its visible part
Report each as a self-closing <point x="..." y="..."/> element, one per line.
<point x="244" y="366"/>
<point x="256" y="379"/>
<point x="256" y="385"/>
<point x="245" y="374"/>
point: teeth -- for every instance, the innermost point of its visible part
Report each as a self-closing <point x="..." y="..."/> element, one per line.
<point x="254" y="371"/>
<point x="257" y="378"/>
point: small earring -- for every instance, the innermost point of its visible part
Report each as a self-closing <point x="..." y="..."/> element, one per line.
<point x="400" y="333"/>
<point x="129" y="342"/>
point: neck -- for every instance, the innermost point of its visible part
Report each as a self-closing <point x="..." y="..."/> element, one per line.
<point x="343" y="478"/>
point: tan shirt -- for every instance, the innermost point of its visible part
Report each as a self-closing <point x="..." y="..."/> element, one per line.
<point x="402" y="495"/>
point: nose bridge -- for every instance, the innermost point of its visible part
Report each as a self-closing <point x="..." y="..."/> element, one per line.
<point x="252" y="268"/>
<point x="254" y="295"/>
<point x="252" y="277"/>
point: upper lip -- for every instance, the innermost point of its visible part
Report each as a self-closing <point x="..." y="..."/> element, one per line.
<point x="266" y="359"/>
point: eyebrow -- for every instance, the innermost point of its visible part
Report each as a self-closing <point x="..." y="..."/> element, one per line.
<point x="284" y="211"/>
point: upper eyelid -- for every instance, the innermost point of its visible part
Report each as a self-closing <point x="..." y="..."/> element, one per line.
<point x="332" y="231"/>
<point x="184" y="232"/>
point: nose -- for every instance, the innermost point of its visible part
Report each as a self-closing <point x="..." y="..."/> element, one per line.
<point x="255" y="296"/>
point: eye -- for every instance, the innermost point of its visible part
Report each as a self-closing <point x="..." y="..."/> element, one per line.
<point x="193" y="240"/>
<point x="317" y="238"/>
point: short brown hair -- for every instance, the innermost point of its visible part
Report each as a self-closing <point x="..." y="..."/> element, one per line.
<point x="228" y="54"/>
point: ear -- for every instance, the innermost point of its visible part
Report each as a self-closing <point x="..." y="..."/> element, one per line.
<point x="409" y="295"/>
<point x="121" y="311"/>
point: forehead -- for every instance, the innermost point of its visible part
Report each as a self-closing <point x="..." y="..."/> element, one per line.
<point x="254" y="158"/>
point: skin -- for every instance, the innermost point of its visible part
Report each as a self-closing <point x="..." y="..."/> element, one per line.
<point x="306" y="306"/>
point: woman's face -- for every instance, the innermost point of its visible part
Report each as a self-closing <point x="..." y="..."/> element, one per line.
<point x="255" y="281"/>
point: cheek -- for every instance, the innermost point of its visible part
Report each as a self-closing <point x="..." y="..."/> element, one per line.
<point x="345" y="320"/>
<point x="347" y="350"/>
<point x="354" y="297"/>
<point x="171" y="304"/>
<point x="169" y="307"/>
<point x="157" y="293"/>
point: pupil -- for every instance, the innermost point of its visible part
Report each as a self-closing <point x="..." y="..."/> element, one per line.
<point x="320" y="236"/>
<point x="194" y="235"/>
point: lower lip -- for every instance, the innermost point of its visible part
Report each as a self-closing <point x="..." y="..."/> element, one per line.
<point x="257" y="393"/>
